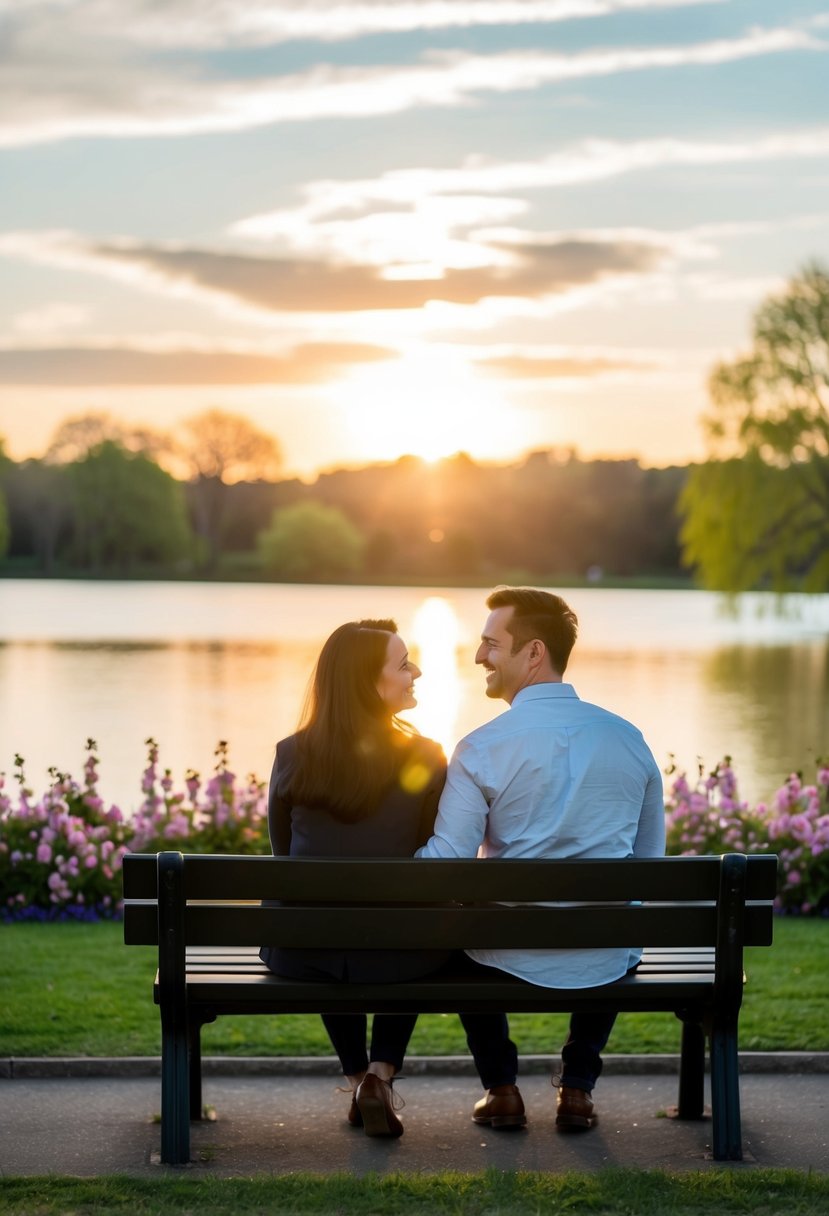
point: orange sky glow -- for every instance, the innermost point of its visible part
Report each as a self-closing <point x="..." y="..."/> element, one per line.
<point x="401" y="227"/>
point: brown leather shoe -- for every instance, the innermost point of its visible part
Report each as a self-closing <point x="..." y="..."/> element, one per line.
<point x="375" y="1105"/>
<point x="354" y="1117"/>
<point x="501" y="1107"/>
<point x="574" y="1110"/>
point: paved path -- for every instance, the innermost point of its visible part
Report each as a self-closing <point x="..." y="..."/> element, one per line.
<point x="281" y="1124"/>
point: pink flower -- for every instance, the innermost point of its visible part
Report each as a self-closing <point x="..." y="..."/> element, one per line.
<point x="44" y="853"/>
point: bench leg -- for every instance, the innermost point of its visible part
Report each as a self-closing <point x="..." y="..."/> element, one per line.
<point x="194" y="1040"/>
<point x="691" y="1099"/>
<point x="725" y="1092"/>
<point x="175" y="1095"/>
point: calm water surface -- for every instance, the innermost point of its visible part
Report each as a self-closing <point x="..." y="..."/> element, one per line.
<point x="193" y="663"/>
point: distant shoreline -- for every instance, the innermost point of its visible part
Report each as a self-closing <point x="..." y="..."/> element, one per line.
<point x="642" y="582"/>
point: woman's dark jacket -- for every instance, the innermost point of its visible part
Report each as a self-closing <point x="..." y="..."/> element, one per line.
<point x="401" y="823"/>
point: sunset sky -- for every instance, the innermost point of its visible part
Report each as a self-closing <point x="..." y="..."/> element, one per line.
<point x="388" y="226"/>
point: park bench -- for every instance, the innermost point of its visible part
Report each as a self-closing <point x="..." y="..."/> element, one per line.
<point x="693" y="915"/>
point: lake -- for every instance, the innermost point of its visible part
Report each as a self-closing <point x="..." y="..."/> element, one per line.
<point x="193" y="663"/>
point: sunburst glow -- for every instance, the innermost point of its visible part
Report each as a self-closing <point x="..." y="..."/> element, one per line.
<point x="428" y="404"/>
<point x="435" y="635"/>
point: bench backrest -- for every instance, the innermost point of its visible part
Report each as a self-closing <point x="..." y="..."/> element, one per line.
<point x="413" y="904"/>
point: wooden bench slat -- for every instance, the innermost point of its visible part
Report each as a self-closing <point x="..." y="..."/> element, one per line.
<point x="455" y="928"/>
<point x="297" y="878"/>
<point x="231" y="877"/>
<point x="272" y="995"/>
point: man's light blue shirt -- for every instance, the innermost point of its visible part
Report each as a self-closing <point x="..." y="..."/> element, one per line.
<point x="553" y="777"/>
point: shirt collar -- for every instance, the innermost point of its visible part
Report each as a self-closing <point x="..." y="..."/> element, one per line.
<point x="543" y="692"/>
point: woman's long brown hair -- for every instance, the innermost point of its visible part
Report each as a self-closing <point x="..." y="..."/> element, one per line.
<point x="348" y="748"/>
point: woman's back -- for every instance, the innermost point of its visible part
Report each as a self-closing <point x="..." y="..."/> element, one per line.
<point x="400" y="823"/>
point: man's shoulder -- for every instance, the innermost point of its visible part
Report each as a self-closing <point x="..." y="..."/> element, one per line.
<point x="607" y="716"/>
<point x="495" y="728"/>
<point x="609" y="729"/>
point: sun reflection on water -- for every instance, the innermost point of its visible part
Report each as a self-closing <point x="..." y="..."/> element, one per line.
<point x="435" y="636"/>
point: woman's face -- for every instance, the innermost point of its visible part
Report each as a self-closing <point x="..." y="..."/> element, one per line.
<point x="397" y="677"/>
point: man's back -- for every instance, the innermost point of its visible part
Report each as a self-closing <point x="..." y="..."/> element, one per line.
<point x="554" y="777"/>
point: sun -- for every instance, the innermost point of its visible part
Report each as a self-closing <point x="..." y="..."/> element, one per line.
<point x="428" y="404"/>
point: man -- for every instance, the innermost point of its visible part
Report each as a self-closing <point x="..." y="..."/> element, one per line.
<point x="552" y="777"/>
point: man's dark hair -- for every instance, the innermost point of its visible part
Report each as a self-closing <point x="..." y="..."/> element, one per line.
<point x="538" y="614"/>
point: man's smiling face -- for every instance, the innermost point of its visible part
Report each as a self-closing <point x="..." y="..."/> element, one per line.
<point x="506" y="673"/>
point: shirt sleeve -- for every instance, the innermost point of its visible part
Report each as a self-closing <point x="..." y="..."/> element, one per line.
<point x="650" y="835"/>
<point x="461" y="821"/>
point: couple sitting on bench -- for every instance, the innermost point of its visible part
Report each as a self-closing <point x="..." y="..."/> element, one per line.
<point x="553" y="777"/>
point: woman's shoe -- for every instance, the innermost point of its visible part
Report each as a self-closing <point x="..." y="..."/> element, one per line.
<point x="354" y="1117"/>
<point x="375" y="1104"/>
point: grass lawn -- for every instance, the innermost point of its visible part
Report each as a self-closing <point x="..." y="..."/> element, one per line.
<point x="763" y="1192"/>
<point x="75" y="989"/>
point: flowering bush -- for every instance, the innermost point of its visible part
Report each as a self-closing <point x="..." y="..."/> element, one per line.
<point x="709" y="817"/>
<point x="62" y="853"/>
<point x="798" y="827"/>
<point x="220" y="818"/>
<point x="60" y="856"/>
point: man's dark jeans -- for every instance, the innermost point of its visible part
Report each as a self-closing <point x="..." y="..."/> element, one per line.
<point x="496" y="1056"/>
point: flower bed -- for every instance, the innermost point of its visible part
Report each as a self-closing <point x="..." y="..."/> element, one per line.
<point x="60" y="855"/>
<point x="709" y="817"/>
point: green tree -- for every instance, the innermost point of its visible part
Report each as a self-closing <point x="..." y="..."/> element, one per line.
<point x="74" y="437"/>
<point x="757" y="513"/>
<point x="5" y="528"/>
<point x="219" y="448"/>
<point x="311" y="541"/>
<point x="38" y="499"/>
<point x="126" y="510"/>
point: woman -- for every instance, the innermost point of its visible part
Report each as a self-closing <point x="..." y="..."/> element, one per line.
<point x="356" y="781"/>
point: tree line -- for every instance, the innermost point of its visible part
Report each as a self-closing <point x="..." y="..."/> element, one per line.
<point x="103" y="504"/>
<point x="106" y="499"/>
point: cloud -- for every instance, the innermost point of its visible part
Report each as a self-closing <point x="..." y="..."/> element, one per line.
<point x="750" y="288"/>
<point x="222" y="23"/>
<point x="554" y="367"/>
<point x="51" y="92"/>
<point x="50" y="320"/>
<point x="522" y="268"/>
<point x="69" y="367"/>
<point x="410" y="199"/>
